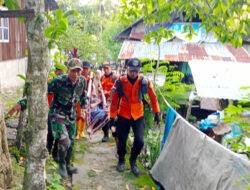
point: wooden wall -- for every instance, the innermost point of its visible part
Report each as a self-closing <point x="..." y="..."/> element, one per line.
<point x="16" y="47"/>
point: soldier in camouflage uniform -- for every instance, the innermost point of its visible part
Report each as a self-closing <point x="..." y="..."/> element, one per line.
<point x="67" y="90"/>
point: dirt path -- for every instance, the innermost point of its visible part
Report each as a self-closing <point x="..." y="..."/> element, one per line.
<point x="97" y="168"/>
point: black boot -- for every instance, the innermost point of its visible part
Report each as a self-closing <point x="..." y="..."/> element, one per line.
<point x="62" y="170"/>
<point x="120" y="165"/>
<point x="70" y="168"/>
<point x="134" y="169"/>
<point x="105" y="130"/>
<point x="62" y="163"/>
<point x="105" y="139"/>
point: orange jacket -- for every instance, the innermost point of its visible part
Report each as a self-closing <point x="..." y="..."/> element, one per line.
<point x="129" y="104"/>
<point x="107" y="83"/>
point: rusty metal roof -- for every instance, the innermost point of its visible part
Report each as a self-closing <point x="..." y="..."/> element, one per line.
<point x="182" y="51"/>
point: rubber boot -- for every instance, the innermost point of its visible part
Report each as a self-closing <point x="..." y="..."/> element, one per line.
<point x="134" y="169"/>
<point x="120" y="165"/>
<point x="78" y="124"/>
<point x="82" y="129"/>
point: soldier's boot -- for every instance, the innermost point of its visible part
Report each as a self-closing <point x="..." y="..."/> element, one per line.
<point x="62" y="164"/>
<point x="120" y="165"/>
<point x="134" y="169"/>
<point x="70" y="168"/>
<point x="62" y="170"/>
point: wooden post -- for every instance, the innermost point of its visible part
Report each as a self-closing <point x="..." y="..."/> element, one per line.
<point x="27" y="13"/>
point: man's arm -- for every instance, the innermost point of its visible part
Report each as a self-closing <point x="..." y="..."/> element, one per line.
<point x="114" y="102"/>
<point x="154" y="102"/>
<point x="20" y="105"/>
<point x="153" y="98"/>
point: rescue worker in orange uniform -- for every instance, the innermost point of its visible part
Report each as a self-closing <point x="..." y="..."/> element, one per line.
<point x="107" y="81"/>
<point x="80" y="120"/>
<point x="126" y="110"/>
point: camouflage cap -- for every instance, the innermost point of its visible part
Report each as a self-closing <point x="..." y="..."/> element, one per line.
<point x="74" y="63"/>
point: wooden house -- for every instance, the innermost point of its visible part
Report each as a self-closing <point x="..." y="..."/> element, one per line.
<point x="13" y="47"/>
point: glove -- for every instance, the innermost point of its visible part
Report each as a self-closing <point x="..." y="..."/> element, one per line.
<point x="111" y="122"/>
<point x="112" y="126"/>
<point x="157" y="118"/>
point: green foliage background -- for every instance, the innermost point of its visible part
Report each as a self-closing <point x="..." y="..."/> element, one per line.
<point x="92" y="31"/>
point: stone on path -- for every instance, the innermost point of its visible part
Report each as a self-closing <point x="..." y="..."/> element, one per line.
<point x="97" y="168"/>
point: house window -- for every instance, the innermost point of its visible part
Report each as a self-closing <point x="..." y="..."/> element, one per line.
<point x="4" y="30"/>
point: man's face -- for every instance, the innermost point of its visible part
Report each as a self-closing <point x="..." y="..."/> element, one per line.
<point x="133" y="74"/>
<point x="107" y="70"/>
<point x="85" y="71"/>
<point x="58" y="72"/>
<point x="74" y="74"/>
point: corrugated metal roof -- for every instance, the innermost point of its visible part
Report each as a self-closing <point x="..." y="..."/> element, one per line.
<point x="183" y="51"/>
<point x="222" y="80"/>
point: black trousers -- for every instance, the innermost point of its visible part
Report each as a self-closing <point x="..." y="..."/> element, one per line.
<point x="122" y="129"/>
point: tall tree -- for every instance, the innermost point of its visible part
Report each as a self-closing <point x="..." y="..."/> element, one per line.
<point x="5" y="162"/>
<point x="36" y="91"/>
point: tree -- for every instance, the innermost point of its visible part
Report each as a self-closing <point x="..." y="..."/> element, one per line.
<point x="86" y="43"/>
<point x="68" y="4"/>
<point x="36" y="92"/>
<point x="228" y="20"/>
<point x="5" y="161"/>
<point x="112" y="47"/>
<point x="93" y="32"/>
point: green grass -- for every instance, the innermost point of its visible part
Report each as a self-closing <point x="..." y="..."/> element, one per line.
<point x="18" y="172"/>
<point x="143" y="181"/>
<point x="80" y="147"/>
<point x="53" y="180"/>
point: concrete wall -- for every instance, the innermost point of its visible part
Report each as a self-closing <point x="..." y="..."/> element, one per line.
<point x="247" y="47"/>
<point x="9" y="71"/>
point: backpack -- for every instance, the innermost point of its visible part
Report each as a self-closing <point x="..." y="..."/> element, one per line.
<point x="143" y="88"/>
<point x="113" y="77"/>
